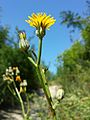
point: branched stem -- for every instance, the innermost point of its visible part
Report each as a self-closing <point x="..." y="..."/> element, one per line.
<point x="12" y="92"/>
<point x="44" y="83"/>
<point x="46" y="91"/>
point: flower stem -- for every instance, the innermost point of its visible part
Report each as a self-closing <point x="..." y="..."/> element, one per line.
<point x="21" y="101"/>
<point x="46" y="90"/>
<point x="28" y="104"/>
<point x="32" y="61"/>
<point x="43" y="80"/>
<point x="39" y="51"/>
<point x="12" y="92"/>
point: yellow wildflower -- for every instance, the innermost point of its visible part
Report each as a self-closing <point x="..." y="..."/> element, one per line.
<point x="41" y="20"/>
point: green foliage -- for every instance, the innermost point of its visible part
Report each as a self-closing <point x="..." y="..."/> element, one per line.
<point x="71" y="58"/>
<point x="71" y="19"/>
<point x="73" y="71"/>
<point x="74" y="108"/>
<point x="86" y="37"/>
<point x="13" y="56"/>
<point x="3" y="35"/>
<point x="75" y="61"/>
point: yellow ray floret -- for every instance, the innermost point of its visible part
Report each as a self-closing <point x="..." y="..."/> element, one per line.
<point x="40" y="20"/>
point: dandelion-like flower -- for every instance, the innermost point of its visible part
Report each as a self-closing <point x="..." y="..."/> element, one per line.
<point x="41" y="22"/>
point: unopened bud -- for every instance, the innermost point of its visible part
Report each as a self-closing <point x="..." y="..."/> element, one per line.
<point x="17" y="71"/>
<point x="22" y="89"/>
<point x="23" y="86"/>
<point x="24" y="83"/>
<point x="60" y="94"/>
<point x="10" y="69"/>
<point x="18" y="78"/>
<point x="22" y="35"/>
<point x="24" y="44"/>
<point x="7" y="72"/>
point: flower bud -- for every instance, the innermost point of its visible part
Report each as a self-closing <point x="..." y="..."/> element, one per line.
<point x="18" y="78"/>
<point x="24" y="44"/>
<point x="7" y="72"/>
<point x="7" y="78"/>
<point x="22" y="89"/>
<point x="23" y="86"/>
<point x="4" y="77"/>
<point x="10" y="69"/>
<point x="22" y="35"/>
<point x="60" y="94"/>
<point x="17" y="71"/>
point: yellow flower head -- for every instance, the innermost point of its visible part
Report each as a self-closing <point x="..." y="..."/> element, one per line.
<point x="41" y="22"/>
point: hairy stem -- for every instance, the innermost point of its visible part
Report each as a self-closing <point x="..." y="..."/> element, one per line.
<point x="42" y="78"/>
<point x="46" y="90"/>
<point x="39" y="51"/>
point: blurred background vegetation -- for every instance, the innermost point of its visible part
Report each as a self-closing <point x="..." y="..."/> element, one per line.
<point x="73" y="67"/>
